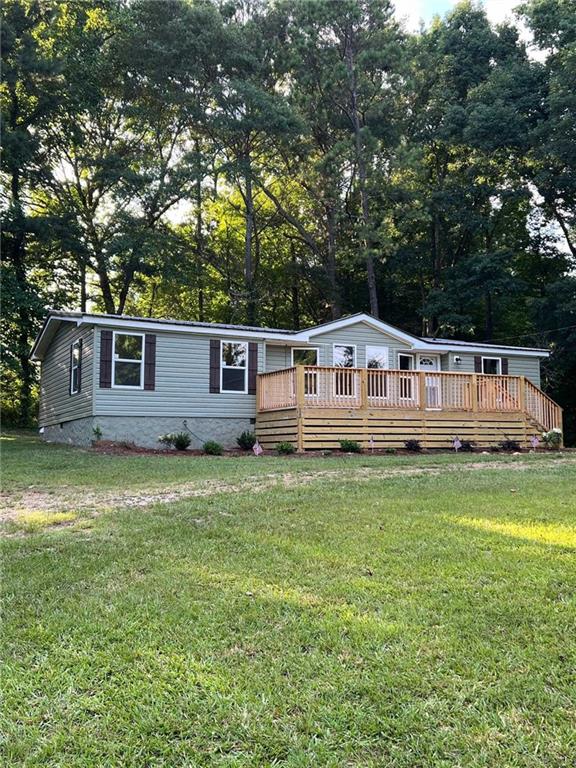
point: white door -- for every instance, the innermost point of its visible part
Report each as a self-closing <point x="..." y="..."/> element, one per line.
<point x="430" y="364"/>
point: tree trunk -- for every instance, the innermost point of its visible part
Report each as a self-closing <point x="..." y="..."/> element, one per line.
<point x="489" y="322"/>
<point x="24" y="321"/>
<point x="294" y="289"/>
<point x="83" y="292"/>
<point x="198" y="235"/>
<point x="249" y="232"/>
<point x="331" y="271"/>
<point x="366" y="238"/>
<point x="105" y="287"/>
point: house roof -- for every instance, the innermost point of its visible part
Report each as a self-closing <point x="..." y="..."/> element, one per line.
<point x="56" y="317"/>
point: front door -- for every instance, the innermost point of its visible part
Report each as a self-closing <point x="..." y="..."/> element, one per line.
<point x="430" y="364"/>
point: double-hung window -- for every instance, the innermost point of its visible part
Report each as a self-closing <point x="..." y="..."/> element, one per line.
<point x="234" y="366"/>
<point x="377" y="359"/>
<point x="406" y="363"/>
<point x="75" y="366"/>
<point x="128" y="360"/>
<point x="491" y="365"/>
<point x="344" y="356"/>
<point x="307" y="356"/>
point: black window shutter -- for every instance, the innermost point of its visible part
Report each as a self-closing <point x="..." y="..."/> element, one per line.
<point x="252" y="367"/>
<point x="214" y="365"/>
<point x="79" y="373"/>
<point x="477" y="364"/>
<point x="150" y="361"/>
<point x="504" y="366"/>
<point x="105" y="359"/>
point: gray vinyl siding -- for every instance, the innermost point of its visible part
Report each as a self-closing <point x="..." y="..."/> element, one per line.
<point x="362" y="335"/>
<point x="277" y="357"/>
<point x="517" y="365"/>
<point x="182" y="383"/>
<point x="56" y="403"/>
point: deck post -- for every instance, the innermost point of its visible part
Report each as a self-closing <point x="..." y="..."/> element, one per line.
<point x="300" y="403"/>
<point x="422" y="389"/>
<point x="474" y="393"/>
<point x="522" y="394"/>
<point x="258" y="393"/>
<point x="363" y="389"/>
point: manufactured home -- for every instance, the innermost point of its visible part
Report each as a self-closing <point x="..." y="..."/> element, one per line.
<point x="133" y="379"/>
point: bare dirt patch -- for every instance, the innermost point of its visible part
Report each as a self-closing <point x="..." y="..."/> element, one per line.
<point x="94" y="502"/>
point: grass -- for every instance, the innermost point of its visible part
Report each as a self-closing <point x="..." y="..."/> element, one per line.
<point x="414" y="621"/>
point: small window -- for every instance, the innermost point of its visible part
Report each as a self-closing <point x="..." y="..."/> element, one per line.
<point x="127" y="360"/>
<point x="376" y="357"/>
<point x="344" y="355"/>
<point x="304" y="356"/>
<point x="491" y="365"/>
<point x="405" y="362"/>
<point x="234" y="366"/>
<point x="75" y="365"/>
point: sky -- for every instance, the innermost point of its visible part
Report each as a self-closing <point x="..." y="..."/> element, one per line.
<point x="415" y="10"/>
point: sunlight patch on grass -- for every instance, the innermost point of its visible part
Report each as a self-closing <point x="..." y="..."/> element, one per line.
<point x="31" y="522"/>
<point x="543" y="533"/>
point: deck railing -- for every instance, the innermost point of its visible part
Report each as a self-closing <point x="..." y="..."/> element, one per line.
<point x="542" y="408"/>
<point x="334" y="387"/>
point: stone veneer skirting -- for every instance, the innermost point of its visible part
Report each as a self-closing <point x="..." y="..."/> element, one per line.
<point x="145" y="430"/>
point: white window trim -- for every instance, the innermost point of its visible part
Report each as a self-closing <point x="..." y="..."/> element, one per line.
<point x="340" y="344"/>
<point x="412" y="357"/>
<point x="234" y="368"/>
<point x="127" y="360"/>
<point x="305" y="349"/>
<point x="74" y="367"/>
<point x="499" y="359"/>
<point x="378" y="346"/>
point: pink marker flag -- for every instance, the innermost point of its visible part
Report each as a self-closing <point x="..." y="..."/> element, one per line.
<point x="257" y="448"/>
<point x="457" y="444"/>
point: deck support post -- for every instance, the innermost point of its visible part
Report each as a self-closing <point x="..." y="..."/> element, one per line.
<point x="300" y="405"/>
<point x="364" y="405"/>
<point x="422" y="390"/>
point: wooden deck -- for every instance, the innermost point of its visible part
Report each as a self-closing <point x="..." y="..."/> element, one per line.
<point x="315" y="407"/>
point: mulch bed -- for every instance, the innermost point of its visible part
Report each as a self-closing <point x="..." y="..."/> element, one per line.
<point x="129" y="449"/>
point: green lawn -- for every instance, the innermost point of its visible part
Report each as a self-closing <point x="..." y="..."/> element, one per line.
<point x="340" y="617"/>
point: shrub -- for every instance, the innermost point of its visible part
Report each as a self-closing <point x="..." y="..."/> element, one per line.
<point x="467" y="446"/>
<point x="350" y="446"/>
<point x="553" y="438"/>
<point x="509" y="445"/>
<point x="413" y="446"/>
<point x="285" y="448"/>
<point x="390" y="451"/>
<point x="178" y="440"/>
<point x="212" y="448"/>
<point x="97" y="432"/>
<point x="246" y="441"/>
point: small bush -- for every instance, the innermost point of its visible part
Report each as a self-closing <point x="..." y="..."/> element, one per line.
<point x="212" y="448"/>
<point x="467" y="446"/>
<point x="413" y="446"/>
<point x="285" y="448"/>
<point x="246" y="441"/>
<point x="97" y="432"/>
<point x="390" y="451"/>
<point x="553" y="438"/>
<point x="510" y="445"/>
<point x="350" y="446"/>
<point x="178" y="440"/>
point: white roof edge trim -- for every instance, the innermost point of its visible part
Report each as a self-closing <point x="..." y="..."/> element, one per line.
<point x="479" y="349"/>
<point x="360" y="318"/>
<point x="177" y="328"/>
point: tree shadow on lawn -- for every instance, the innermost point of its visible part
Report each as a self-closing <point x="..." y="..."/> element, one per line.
<point x="195" y="643"/>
